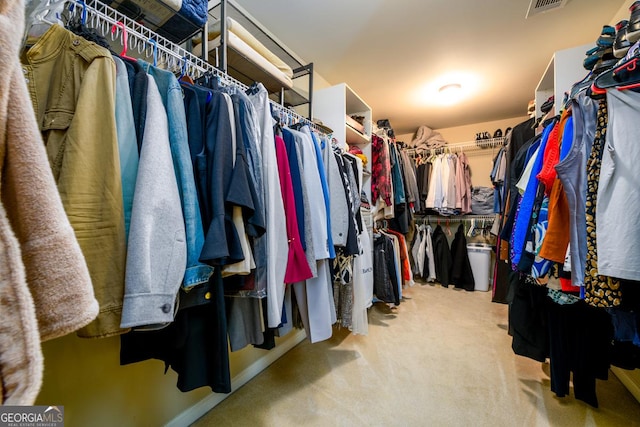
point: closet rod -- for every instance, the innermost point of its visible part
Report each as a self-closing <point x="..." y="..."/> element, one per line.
<point x="434" y="219"/>
<point x="102" y="17"/>
<point x="462" y="147"/>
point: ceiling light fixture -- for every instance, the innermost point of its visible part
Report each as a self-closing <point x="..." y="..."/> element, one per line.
<point x="450" y="93"/>
<point x="448" y="89"/>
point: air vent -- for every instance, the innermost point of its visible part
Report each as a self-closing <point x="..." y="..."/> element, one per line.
<point x="540" y="6"/>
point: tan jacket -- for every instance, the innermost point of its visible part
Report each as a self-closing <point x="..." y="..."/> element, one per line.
<point x="72" y="86"/>
<point x="45" y="289"/>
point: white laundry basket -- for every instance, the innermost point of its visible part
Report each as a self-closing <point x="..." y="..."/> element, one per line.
<point x="480" y="258"/>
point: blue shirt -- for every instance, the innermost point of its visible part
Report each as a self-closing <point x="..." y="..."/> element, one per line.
<point x="523" y="219"/>
<point x="325" y="188"/>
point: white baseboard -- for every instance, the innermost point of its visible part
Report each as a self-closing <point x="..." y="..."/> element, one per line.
<point x="193" y="413"/>
<point x="629" y="380"/>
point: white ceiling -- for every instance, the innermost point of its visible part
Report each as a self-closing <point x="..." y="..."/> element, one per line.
<point x="389" y="51"/>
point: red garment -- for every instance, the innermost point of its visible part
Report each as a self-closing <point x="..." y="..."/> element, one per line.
<point x="406" y="272"/>
<point x="552" y="154"/>
<point x="380" y="171"/>
<point x="297" y="266"/>
<point x="556" y="240"/>
<point x="550" y="159"/>
<point x="566" y="285"/>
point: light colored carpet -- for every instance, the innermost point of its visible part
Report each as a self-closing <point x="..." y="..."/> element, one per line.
<point x="443" y="358"/>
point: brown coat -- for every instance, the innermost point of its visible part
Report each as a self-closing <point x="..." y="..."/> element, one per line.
<point x="45" y="289"/>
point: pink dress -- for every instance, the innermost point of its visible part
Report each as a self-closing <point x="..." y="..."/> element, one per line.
<point x="297" y="266"/>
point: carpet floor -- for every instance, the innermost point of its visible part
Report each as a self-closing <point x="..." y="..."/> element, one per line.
<point x="443" y="358"/>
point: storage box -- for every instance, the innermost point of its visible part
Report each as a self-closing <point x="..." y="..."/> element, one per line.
<point x="480" y="259"/>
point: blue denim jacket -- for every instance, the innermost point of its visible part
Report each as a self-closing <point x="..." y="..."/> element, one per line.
<point x="171" y="92"/>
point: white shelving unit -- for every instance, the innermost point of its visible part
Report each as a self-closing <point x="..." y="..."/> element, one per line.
<point x="564" y="69"/>
<point x="332" y="106"/>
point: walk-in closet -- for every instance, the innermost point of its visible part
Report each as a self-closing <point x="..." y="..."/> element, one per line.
<point x="238" y="212"/>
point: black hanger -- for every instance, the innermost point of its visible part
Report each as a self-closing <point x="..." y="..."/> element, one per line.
<point x="622" y="76"/>
<point x="76" y="23"/>
<point x="209" y="80"/>
<point x="253" y="89"/>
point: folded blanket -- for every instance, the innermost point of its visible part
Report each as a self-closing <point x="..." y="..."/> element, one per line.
<point x="234" y="27"/>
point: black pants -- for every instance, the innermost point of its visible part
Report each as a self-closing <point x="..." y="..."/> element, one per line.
<point x="580" y="342"/>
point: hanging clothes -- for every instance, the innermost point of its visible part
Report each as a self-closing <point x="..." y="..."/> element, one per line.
<point x="397" y="263"/>
<point x="46" y="289"/>
<point x="196" y="272"/>
<point x="363" y="273"/>
<point x="600" y="290"/>
<point x="156" y="250"/>
<point x="127" y="143"/>
<point x="343" y="291"/>
<point x="384" y="270"/>
<point x="314" y="297"/>
<point x="325" y="186"/>
<point x="297" y="267"/>
<point x="429" y="254"/>
<point x="302" y="199"/>
<point x="617" y="193"/>
<point x="276" y="234"/>
<point x="415" y="251"/>
<point x="410" y="181"/>
<point x="572" y="171"/>
<point x="338" y="199"/>
<point x="87" y="175"/>
<point x="381" y="171"/>
<point x="442" y="257"/>
<point x="461" y="273"/>
<point x="463" y="184"/>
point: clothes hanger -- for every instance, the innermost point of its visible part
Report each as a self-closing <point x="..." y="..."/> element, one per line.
<point x="184" y="77"/>
<point x="43" y="15"/>
<point x="75" y="18"/>
<point x="83" y="11"/>
<point x="125" y="39"/>
<point x="154" y="51"/>
<point x="625" y="75"/>
<point x="471" y="228"/>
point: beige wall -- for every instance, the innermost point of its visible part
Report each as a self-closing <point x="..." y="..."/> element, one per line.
<point x="480" y="161"/>
<point x="320" y="82"/>
<point x="85" y="377"/>
<point x="623" y="12"/>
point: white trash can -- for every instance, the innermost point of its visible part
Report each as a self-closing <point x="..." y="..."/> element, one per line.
<point x="480" y="259"/>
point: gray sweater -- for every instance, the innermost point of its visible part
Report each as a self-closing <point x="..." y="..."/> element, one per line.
<point x="156" y="250"/>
